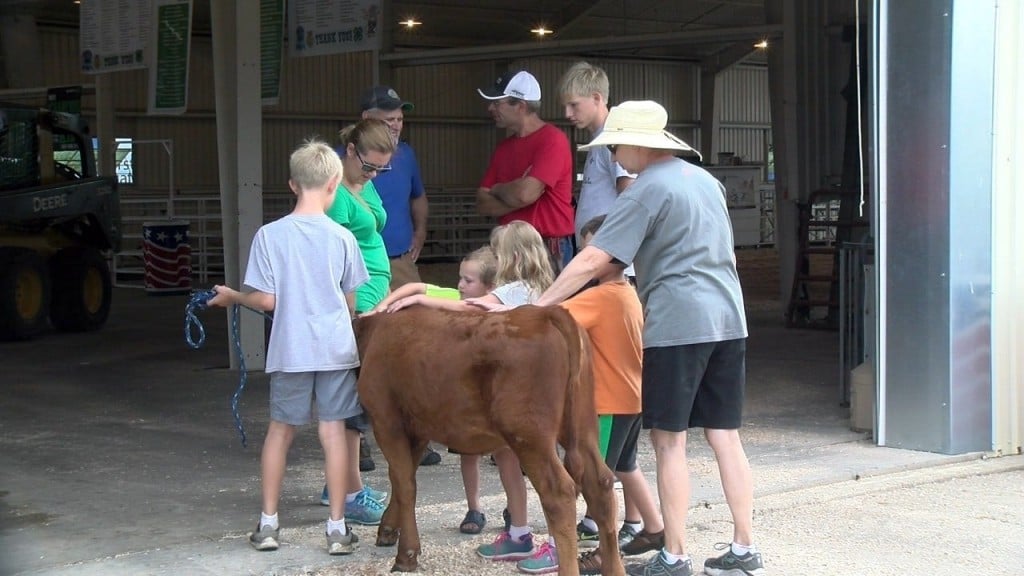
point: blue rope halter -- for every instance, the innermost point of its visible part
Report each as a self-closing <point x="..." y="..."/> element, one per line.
<point x="200" y="300"/>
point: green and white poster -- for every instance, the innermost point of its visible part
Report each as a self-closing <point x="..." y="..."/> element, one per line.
<point x="168" y="69"/>
<point x="271" y="49"/>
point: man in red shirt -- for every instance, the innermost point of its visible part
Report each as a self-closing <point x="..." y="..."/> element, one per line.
<point x="530" y="174"/>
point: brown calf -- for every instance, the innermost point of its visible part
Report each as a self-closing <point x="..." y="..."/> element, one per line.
<point x="477" y="381"/>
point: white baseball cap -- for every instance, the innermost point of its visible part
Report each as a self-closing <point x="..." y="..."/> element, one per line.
<point x="521" y="85"/>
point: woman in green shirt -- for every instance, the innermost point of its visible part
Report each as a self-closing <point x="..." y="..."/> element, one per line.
<point x="365" y="151"/>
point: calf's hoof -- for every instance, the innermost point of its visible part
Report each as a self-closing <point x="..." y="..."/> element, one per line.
<point x="387" y="536"/>
<point x="406" y="562"/>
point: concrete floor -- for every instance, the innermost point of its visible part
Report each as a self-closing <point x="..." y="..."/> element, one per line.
<point x="119" y="454"/>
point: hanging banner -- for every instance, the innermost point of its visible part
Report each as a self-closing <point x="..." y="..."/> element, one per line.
<point x="113" y="34"/>
<point x="168" y="72"/>
<point x="271" y="49"/>
<point x="319" y="27"/>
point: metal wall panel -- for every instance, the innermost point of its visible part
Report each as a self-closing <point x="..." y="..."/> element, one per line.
<point x="674" y="86"/>
<point x="450" y="128"/>
<point x="937" y="155"/>
<point x="328" y="85"/>
<point x="747" y="143"/>
<point x="970" y="225"/>
<point x="744" y="96"/>
<point x="445" y="90"/>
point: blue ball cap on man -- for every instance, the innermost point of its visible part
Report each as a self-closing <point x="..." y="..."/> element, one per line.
<point x="383" y="98"/>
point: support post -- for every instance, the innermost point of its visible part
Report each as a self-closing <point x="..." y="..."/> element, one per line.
<point x="236" y="53"/>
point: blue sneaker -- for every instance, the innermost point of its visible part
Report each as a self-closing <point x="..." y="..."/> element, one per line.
<point x="545" y="561"/>
<point x="505" y="548"/>
<point x="377" y="495"/>
<point x="364" y="510"/>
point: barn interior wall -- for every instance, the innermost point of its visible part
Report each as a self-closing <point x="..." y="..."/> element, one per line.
<point x="450" y="127"/>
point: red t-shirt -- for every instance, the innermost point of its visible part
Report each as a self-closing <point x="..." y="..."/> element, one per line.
<point x="546" y="156"/>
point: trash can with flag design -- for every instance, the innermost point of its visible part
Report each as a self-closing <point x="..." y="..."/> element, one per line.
<point x="168" y="257"/>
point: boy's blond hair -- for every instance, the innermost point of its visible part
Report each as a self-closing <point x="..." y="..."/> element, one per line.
<point x="484" y="258"/>
<point x="521" y="256"/>
<point x="584" y="79"/>
<point x="313" y="164"/>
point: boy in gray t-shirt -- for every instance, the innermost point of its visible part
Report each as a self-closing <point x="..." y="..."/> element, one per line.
<point x="305" y="268"/>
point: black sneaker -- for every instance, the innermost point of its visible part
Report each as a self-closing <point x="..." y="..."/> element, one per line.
<point x="366" y="463"/>
<point x="643" y="542"/>
<point x="587" y="538"/>
<point x="264" y="538"/>
<point x="430" y="457"/>
<point x="658" y="566"/>
<point x="729" y="564"/>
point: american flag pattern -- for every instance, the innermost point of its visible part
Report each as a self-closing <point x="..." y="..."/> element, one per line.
<point x="167" y="256"/>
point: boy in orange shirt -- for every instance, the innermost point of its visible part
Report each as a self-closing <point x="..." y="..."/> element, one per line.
<point x="613" y="318"/>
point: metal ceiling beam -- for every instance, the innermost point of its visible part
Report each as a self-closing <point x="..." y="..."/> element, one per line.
<point x="610" y="43"/>
<point x="723" y="59"/>
<point x="570" y="16"/>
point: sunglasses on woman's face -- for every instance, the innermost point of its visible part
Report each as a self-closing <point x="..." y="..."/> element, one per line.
<point x="368" y="168"/>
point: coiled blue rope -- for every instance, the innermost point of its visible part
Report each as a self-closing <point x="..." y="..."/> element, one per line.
<point x="200" y="300"/>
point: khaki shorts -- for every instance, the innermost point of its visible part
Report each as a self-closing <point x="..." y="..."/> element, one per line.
<point x="403" y="270"/>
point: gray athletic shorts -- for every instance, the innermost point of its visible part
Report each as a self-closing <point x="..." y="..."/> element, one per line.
<point x="292" y="395"/>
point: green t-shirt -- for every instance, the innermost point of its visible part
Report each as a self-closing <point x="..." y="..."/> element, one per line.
<point x="365" y="219"/>
<point x="442" y="292"/>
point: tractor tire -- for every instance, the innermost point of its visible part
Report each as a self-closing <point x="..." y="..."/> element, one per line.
<point x="81" y="289"/>
<point x="24" y="293"/>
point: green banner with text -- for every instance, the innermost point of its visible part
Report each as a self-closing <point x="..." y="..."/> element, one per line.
<point x="271" y="49"/>
<point x="168" y="73"/>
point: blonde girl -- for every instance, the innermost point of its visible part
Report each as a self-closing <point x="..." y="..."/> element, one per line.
<point x="523" y="273"/>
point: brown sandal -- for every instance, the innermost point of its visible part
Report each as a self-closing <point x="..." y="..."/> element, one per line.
<point x="590" y="562"/>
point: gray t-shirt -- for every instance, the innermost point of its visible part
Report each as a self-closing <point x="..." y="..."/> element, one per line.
<point x="515" y="294"/>
<point x="309" y="263"/>
<point x="673" y="225"/>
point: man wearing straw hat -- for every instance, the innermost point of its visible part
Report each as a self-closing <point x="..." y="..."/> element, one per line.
<point x="673" y="225"/>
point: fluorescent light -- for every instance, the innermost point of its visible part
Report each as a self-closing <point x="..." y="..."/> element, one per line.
<point x="763" y="44"/>
<point x="541" y="31"/>
<point x="410" y="23"/>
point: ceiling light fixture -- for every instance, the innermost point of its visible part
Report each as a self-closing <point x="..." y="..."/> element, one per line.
<point x="410" y="23"/>
<point x="763" y="44"/>
<point x="541" y="31"/>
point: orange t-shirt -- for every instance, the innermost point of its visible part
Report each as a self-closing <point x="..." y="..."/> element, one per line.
<point x="613" y="318"/>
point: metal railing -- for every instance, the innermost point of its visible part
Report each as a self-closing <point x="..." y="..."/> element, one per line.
<point x="202" y="212"/>
<point x="454" y="228"/>
<point x="854" y="298"/>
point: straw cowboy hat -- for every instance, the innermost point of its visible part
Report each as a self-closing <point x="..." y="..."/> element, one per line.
<point x="638" y="123"/>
